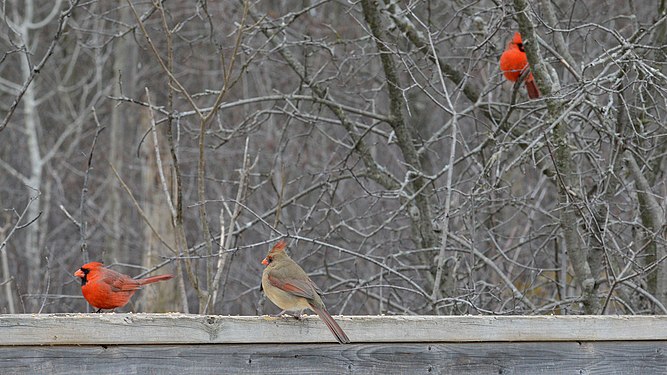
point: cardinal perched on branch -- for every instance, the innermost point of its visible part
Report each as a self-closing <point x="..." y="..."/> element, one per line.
<point x="107" y="289"/>
<point x="288" y="286"/>
<point x="513" y="62"/>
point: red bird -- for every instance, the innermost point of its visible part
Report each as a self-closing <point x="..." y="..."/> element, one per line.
<point x="513" y="61"/>
<point x="288" y="286"/>
<point x="107" y="289"/>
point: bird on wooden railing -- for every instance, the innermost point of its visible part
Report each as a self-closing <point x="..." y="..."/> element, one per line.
<point x="107" y="289"/>
<point x="288" y="286"/>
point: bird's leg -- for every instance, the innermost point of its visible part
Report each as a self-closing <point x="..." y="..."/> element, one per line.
<point x="98" y="311"/>
<point x="278" y="315"/>
<point x="296" y="315"/>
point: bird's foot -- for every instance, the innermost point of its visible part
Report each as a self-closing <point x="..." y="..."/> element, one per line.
<point x="295" y="315"/>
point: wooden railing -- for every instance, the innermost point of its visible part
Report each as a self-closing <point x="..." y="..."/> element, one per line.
<point x="211" y="344"/>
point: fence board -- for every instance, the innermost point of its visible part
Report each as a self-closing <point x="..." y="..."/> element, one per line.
<point x="195" y="344"/>
<point x="638" y="357"/>
<point x="145" y="329"/>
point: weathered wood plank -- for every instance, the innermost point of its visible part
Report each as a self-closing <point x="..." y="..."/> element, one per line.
<point x="112" y="329"/>
<point x="637" y="357"/>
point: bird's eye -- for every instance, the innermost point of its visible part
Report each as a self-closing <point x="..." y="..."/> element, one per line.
<point x="85" y="270"/>
<point x="269" y="259"/>
<point x="520" y="45"/>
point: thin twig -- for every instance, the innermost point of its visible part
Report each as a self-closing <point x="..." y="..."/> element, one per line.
<point x="139" y="209"/>
<point x="62" y="21"/>
<point x="18" y="224"/>
<point x="83" y="223"/>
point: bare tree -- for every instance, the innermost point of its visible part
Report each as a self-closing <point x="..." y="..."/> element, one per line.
<point x="379" y="136"/>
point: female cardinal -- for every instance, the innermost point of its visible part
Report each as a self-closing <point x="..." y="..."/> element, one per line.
<point x="107" y="289"/>
<point x="288" y="287"/>
<point x="513" y="61"/>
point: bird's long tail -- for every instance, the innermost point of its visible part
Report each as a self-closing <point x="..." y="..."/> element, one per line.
<point x="338" y="332"/>
<point x="154" y="279"/>
<point x="533" y="91"/>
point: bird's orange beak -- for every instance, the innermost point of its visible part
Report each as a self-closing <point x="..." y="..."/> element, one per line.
<point x="265" y="262"/>
<point x="79" y="273"/>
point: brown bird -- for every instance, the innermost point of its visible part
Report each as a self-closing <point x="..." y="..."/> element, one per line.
<point x="288" y="286"/>
<point x="107" y="289"/>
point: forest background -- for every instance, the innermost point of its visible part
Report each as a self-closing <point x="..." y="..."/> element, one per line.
<point x="185" y="137"/>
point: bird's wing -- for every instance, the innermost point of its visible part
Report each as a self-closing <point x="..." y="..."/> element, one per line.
<point x="120" y="283"/>
<point x="317" y="288"/>
<point x="301" y="288"/>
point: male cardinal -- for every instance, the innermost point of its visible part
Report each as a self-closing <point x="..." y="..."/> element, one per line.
<point x="107" y="289"/>
<point x="288" y="286"/>
<point x="513" y="61"/>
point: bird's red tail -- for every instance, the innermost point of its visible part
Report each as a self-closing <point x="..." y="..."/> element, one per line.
<point x="533" y="91"/>
<point x="154" y="279"/>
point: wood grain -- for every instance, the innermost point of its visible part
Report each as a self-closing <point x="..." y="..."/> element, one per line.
<point x="131" y="329"/>
<point x="637" y="357"/>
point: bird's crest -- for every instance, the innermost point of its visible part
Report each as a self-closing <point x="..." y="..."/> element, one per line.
<point x="92" y="265"/>
<point x="280" y="246"/>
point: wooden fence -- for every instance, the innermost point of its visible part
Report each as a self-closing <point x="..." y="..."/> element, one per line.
<point x="98" y="344"/>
